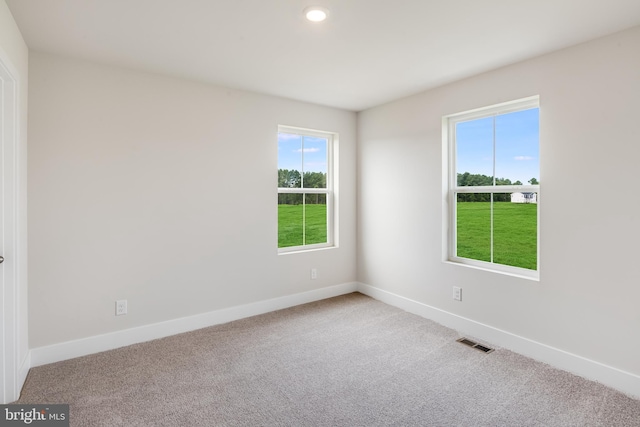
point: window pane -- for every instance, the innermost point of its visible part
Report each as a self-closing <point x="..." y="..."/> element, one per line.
<point x="473" y="226"/>
<point x="314" y="162"/>
<point x="495" y="146"/>
<point x="315" y="227"/>
<point x="290" y="220"/>
<point x="517" y="147"/>
<point x="289" y="160"/>
<point x="474" y="152"/>
<point x="515" y="230"/>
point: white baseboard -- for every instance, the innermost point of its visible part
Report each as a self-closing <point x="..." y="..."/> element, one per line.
<point x="625" y="382"/>
<point x="620" y="380"/>
<point x="82" y="347"/>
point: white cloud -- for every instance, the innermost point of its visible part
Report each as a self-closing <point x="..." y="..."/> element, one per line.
<point x="523" y="158"/>
<point x="307" y="150"/>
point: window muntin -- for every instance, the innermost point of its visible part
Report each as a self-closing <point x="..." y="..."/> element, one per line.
<point x="305" y="189"/>
<point x="492" y="171"/>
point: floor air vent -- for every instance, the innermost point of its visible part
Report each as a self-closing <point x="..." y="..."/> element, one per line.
<point x="475" y="345"/>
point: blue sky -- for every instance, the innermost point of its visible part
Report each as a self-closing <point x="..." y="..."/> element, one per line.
<point x="516" y="146"/>
<point x="293" y="150"/>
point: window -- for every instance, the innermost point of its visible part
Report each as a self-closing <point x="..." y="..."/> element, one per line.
<point x="305" y="189"/>
<point x="492" y="169"/>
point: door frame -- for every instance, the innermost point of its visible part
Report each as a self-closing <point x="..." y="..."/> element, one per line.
<point x="10" y="377"/>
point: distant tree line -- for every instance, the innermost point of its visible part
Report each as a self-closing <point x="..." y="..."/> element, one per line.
<point x="467" y="179"/>
<point x="294" y="179"/>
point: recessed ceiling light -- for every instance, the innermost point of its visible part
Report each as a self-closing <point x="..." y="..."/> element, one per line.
<point x="316" y="13"/>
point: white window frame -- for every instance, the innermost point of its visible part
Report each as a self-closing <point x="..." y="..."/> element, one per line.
<point x="332" y="140"/>
<point x="451" y="188"/>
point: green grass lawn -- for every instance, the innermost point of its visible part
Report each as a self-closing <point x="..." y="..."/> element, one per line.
<point x="514" y="234"/>
<point x="515" y="230"/>
<point x="293" y="231"/>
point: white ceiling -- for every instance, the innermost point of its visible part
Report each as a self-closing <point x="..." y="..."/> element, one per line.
<point x="367" y="53"/>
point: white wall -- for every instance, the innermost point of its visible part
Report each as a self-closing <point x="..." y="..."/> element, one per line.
<point x="586" y="302"/>
<point x="14" y="48"/>
<point x="163" y="192"/>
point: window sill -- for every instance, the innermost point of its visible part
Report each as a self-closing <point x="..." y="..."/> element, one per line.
<point x="520" y="273"/>
<point x="288" y="251"/>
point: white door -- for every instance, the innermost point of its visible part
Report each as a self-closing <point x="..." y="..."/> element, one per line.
<point x="9" y="390"/>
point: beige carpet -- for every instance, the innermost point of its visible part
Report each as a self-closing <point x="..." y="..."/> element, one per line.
<point x="345" y="361"/>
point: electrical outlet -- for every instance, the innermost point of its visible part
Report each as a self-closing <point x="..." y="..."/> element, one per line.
<point x="457" y="293"/>
<point x="121" y="307"/>
<point x="314" y="273"/>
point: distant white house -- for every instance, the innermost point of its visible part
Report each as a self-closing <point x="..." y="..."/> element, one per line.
<point x="524" y="198"/>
